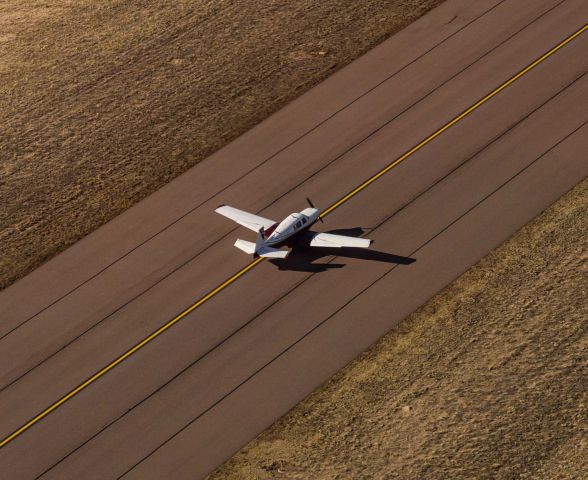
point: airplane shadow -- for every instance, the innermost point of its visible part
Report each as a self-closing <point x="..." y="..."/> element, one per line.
<point x="302" y="256"/>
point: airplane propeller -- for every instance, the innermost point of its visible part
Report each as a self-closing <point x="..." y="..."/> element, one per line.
<point x="312" y="206"/>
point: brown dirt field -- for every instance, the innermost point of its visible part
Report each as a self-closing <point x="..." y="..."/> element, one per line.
<point x="489" y="379"/>
<point x="101" y="103"/>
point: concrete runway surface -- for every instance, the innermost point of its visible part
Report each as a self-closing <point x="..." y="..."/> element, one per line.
<point x="191" y="395"/>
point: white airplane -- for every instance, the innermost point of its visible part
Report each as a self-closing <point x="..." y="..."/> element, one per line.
<point x="271" y="234"/>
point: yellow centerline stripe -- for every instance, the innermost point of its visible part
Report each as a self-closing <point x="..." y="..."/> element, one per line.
<point x="127" y="354"/>
<point x="257" y="261"/>
<point x="452" y="122"/>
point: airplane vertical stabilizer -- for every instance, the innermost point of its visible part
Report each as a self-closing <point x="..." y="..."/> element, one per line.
<point x="260" y="240"/>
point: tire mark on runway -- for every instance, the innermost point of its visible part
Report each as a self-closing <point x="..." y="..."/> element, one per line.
<point x="251" y="265"/>
<point x="300" y="283"/>
<point x="318" y="125"/>
<point x="230" y="232"/>
<point x="316" y="327"/>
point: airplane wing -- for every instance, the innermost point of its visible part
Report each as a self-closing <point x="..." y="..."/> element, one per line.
<point x="248" y="220"/>
<point x="338" y="241"/>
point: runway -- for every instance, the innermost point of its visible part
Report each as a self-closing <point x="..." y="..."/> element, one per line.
<point x="211" y="380"/>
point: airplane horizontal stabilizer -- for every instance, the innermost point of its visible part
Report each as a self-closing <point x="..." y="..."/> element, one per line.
<point x="267" y="252"/>
<point x="247" y="247"/>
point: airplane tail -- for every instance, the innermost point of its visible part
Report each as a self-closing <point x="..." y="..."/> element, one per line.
<point x="257" y="249"/>
<point x="259" y="241"/>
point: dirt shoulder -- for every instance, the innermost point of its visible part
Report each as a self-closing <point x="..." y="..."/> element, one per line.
<point x="489" y="379"/>
<point x="103" y="103"/>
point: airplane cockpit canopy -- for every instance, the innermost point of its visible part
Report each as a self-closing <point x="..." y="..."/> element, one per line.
<point x="293" y="221"/>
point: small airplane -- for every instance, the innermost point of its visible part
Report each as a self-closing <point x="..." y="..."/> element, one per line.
<point x="271" y="234"/>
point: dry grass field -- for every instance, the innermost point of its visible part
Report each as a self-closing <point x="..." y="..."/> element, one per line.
<point x="488" y="380"/>
<point x="102" y="102"/>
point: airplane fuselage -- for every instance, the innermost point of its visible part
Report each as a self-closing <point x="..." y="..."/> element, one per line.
<point x="293" y="224"/>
